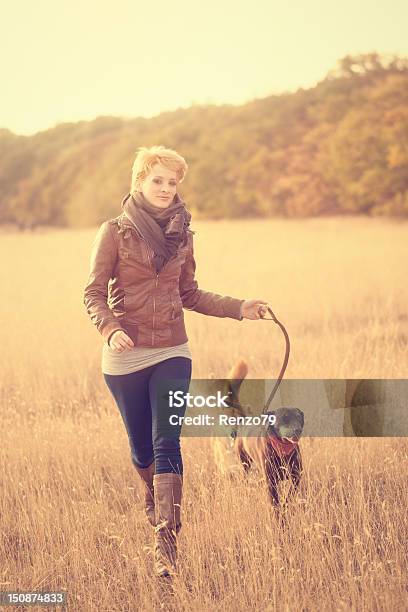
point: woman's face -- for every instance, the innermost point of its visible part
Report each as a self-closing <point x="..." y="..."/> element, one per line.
<point x="160" y="186"/>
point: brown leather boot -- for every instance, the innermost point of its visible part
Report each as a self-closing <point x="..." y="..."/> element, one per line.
<point x="167" y="498"/>
<point x="146" y="474"/>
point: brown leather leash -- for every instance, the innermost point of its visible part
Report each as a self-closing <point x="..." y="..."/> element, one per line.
<point x="247" y="409"/>
<point x="285" y="361"/>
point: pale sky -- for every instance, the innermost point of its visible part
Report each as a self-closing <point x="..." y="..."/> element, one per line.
<point x="67" y="60"/>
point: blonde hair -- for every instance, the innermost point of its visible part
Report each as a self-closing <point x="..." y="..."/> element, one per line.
<point x="146" y="158"/>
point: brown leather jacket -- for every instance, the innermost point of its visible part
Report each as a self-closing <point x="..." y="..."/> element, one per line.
<point x="124" y="292"/>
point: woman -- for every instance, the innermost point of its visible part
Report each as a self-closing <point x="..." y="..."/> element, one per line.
<point x="142" y="276"/>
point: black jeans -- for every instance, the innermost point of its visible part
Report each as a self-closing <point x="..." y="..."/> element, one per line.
<point x="143" y="400"/>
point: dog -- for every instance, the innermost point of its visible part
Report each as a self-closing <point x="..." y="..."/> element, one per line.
<point x="274" y="448"/>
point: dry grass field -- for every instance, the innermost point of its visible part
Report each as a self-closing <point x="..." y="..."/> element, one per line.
<point x="71" y="513"/>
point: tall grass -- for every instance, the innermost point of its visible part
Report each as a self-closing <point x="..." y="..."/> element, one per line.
<point x="71" y="512"/>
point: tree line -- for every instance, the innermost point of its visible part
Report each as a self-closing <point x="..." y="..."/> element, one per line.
<point x="340" y="147"/>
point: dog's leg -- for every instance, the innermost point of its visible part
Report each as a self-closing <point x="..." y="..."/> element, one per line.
<point x="295" y="471"/>
<point x="272" y="480"/>
<point x="245" y="459"/>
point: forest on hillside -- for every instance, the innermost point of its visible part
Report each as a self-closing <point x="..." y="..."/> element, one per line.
<point x="340" y="147"/>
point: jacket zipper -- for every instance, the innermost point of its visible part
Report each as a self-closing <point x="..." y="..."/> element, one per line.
<point x="154" y="308"/>
<point x="173" y="308"/>
<point x="154" y="295"/>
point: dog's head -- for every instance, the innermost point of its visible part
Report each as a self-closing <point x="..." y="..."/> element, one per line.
<point x="288" y="425"/>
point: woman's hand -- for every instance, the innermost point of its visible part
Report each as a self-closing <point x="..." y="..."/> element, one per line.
<point x="254" y="309"/>
<point x="119" y="341"/>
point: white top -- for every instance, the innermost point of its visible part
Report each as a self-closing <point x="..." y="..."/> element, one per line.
<point x="139" y="357"/>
